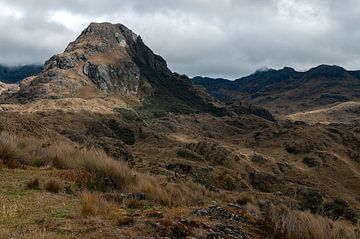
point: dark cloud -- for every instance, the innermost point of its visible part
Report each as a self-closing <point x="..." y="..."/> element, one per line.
<point x="226" y="38"/>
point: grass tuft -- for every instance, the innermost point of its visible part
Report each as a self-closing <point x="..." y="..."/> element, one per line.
<point x="34" y="184"/>
<point x="290" y="224"/>
<point x="53" y="186"/>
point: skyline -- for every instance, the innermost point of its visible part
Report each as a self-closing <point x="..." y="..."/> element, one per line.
<point x="228" y="39"/>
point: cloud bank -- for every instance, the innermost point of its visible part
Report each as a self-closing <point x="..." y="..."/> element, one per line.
<point x="227" y="38"/>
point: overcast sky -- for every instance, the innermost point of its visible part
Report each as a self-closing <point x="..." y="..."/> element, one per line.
<point x="227" y="38"/>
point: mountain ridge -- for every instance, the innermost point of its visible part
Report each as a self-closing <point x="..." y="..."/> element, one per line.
<point x="287" y="88"/>
<point x="14" y="74"/>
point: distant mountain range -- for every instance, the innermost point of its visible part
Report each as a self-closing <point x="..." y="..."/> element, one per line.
<point x="15" y="74"/>
<point x="288" y="90"/>
<point x="125" y="66"/>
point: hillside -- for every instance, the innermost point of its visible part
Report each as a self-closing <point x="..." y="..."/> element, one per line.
<point x="107" y="142"/>
<point x="11" y="75"/>
<point x="347" y="112"/>
<point x="287" y="90"/>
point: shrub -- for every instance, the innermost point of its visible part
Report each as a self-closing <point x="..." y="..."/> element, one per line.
<point x="34" y="184"/>
<point x="340" y="208"/>
<point x="188" y="154"/>
<point x="312" y="201"/>
<point x="53" y="186"/>
<point x="13" y="164"/>
<point x="125" y="134"/>
<point x="310" y="162"/>
<point x="245" y="198"/>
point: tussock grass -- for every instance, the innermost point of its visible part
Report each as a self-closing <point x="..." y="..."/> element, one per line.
<point x="33" y="184"/>
<point x="108" y="174"/>
<point x="245" y="198"/>
<point x="53" y="186"/>
<point x="94" y="205"/>
<point x="289" y="224"/>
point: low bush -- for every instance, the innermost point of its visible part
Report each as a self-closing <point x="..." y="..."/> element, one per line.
<point x="340" y="208"/>
<point x="312" y="201"/>
<point x="245" y="198"/>
<point x="34" y="184"/>
<point x="53" y="186"/>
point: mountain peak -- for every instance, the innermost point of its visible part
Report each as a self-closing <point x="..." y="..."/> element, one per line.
<point x="110" y="60"/>
<point x="100" y="60"/>
<point x="103" y="36"/>
<point x="327" y="71"/>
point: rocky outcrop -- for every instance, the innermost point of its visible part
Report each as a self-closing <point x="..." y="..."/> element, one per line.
<point x="105" y="77"/>
<point x="7" y="89"/>
<point x="101" y="57"/>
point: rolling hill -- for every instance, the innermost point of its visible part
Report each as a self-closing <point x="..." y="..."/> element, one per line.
<point x="287" y="90"/>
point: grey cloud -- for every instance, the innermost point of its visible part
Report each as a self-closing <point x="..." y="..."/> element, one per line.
<point x="228" y="38"/>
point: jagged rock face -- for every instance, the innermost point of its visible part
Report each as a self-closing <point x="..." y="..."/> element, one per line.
<point x="105" y="77"/>
<point x="100" y="58"/>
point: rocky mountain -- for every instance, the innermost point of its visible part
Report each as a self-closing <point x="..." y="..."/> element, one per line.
<point x="10" y="75"/>
<point x="111" y="60"/>
<point x="287" y="90"/>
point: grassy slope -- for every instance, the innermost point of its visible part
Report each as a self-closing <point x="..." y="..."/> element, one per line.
<point x="26" y="213"/>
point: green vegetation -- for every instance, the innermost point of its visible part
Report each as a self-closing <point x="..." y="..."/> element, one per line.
<point x="336" y="209"/>
<point x="312" y="201"/>
<point x="172" y="94"/>
<point x="339" y="208"/>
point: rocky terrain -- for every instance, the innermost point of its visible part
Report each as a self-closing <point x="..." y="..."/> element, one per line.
<point x="288" y="91"/>
<point x="107" y="142"/>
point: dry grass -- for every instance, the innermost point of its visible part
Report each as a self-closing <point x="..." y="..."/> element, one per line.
<point x="8" y="147"/>
<point x="34" y="184"/>
<point x="95" y="206"/>
<point x="53" y="186"/>
<point x="108" y="174"/>
<point x="288" y="224"/>
<point x="245" y="198"/>
<point x="252" y="210"/>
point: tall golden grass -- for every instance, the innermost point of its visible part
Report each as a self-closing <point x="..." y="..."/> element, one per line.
<point x="109" y="173"/>
<point x="284" y="223"/>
